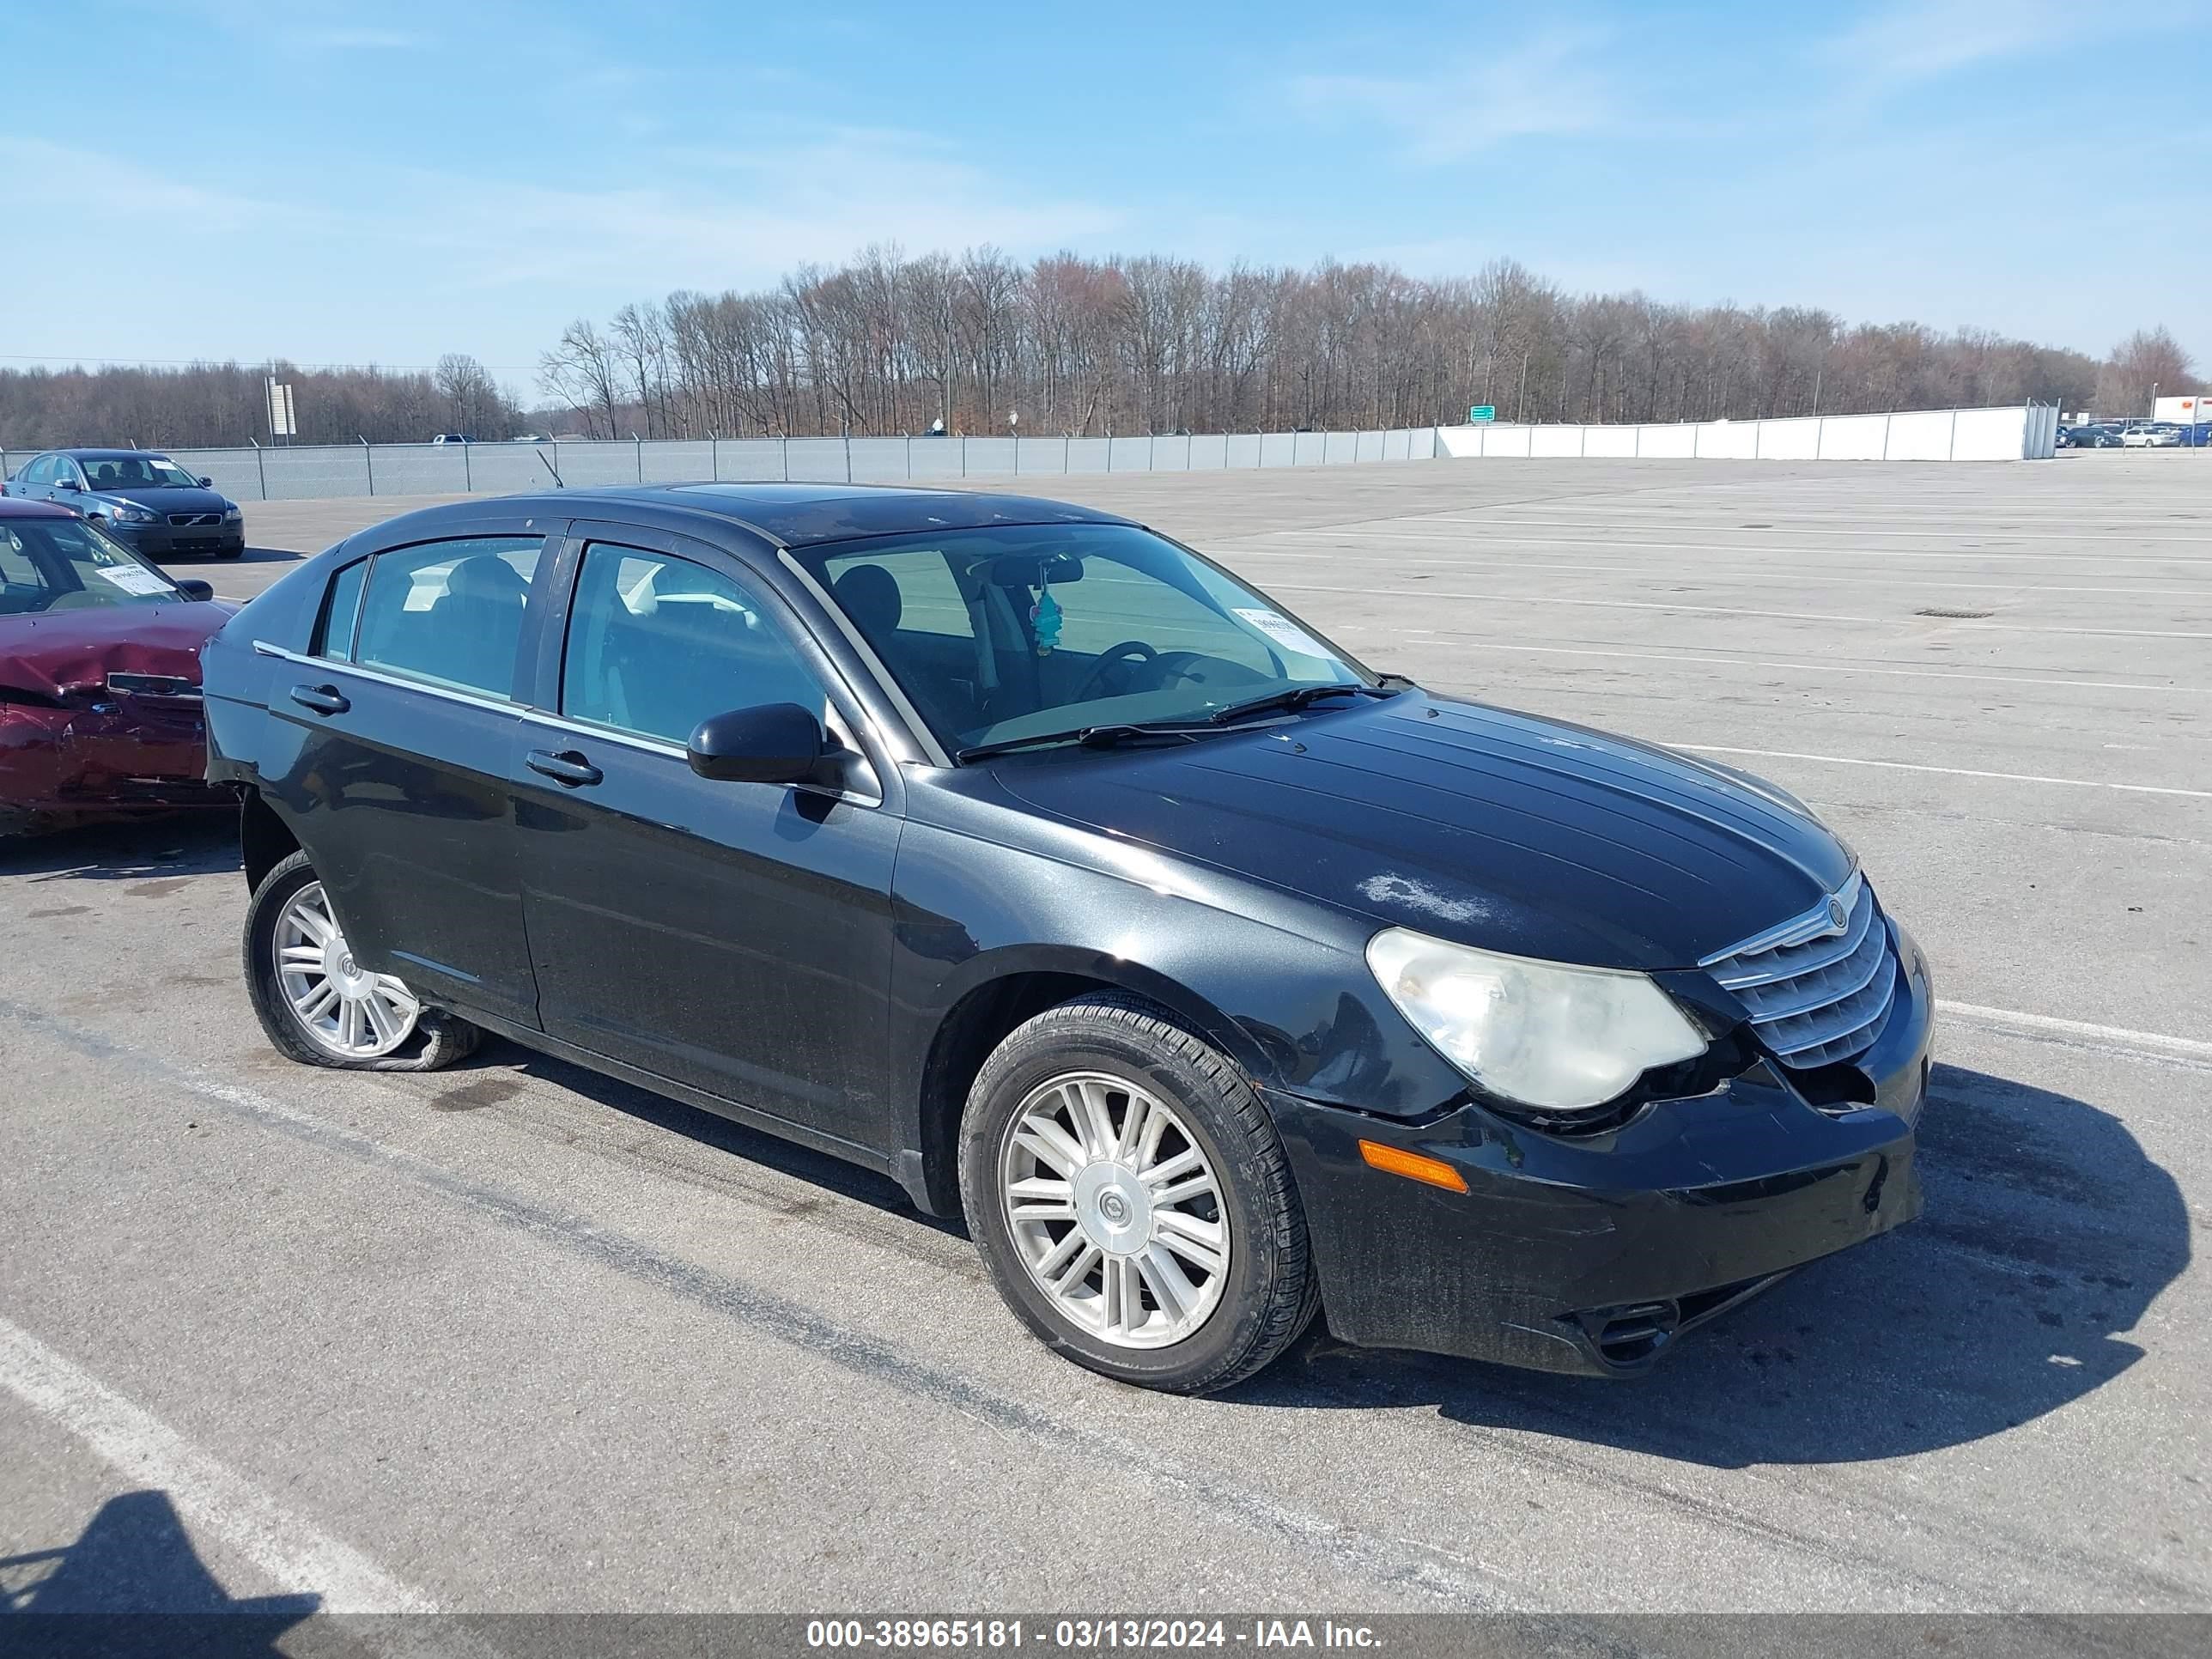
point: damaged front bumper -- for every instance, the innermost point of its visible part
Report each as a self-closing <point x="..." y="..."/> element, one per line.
<point x="1590" y="1255"/>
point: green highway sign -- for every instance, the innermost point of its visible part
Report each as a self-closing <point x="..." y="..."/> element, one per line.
<point x="1483" y="412"/>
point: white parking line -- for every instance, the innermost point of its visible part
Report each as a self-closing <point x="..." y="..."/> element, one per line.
<point x="1938" y="528"/>
<point x="290" y="1550"/>
<point x="1949" y="771"/>
<point x="1600" y="540"/>
<point x="2016" y="586"/>
<point x="2119" y="1038"/>
<point x="1735" y="611"/>
<point x="1823" y="668"/>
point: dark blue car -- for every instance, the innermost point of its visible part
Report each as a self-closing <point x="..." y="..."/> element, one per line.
<point x="142" y="499"/>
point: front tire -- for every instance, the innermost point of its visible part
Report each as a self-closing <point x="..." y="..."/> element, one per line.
<point x="317" y="1006"/>
<point x="1126" y="1189"/>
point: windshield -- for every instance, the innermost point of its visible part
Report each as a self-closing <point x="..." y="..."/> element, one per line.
<point x="137" y="472"/>
<point x="1019" y="631"/>
<point x="64" y="564"/>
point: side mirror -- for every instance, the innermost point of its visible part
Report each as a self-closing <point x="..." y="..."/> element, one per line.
<point x="207" y="483"/>
<point x="195" y="590"/>
<point x="67" y="483"/>
<point x="774" y="742"/>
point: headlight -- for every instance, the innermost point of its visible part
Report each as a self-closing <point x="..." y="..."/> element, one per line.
<point x="1543" y="1034"/>
<point x="232" y="515"/>
<point x="124" y="512"/>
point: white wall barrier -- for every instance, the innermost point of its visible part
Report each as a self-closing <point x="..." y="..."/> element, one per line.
<point x="2028" y="433"/>
<point x="321" y="472"/>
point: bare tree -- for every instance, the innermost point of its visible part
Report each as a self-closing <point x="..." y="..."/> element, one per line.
<point x="1083" y="346"/>
<point x="2147" y="358"/>
<point x="581" y="371"/>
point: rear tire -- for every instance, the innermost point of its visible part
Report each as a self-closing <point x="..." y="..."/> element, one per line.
<point x="280" y="944"/>
<point x="1125" y="1186"/>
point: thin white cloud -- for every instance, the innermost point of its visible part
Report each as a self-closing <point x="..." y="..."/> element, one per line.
<point x="107" y="184"/>
<point x="1912" y="41"/>
<point x="1548" y="85"/>
<point x="729" y="217"/>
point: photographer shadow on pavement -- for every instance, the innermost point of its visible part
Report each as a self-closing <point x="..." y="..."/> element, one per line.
<point x="2048" y="1234"/>
<point x="132" y="1582"/>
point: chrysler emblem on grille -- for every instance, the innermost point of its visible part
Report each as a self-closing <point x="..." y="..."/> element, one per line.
<point x="1839" y="917"/>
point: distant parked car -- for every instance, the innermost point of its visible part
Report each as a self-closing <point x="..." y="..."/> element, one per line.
<point x="2151" y="435"/>
<point x="100" y="713"/>
<point x="452" y="438"/>
<point x="142" y="499"/>
<point x="2093" y="436"/>
<point x="530" y="437"/>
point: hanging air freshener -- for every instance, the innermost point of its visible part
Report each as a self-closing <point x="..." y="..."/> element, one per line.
<point x="1044" y="616"/>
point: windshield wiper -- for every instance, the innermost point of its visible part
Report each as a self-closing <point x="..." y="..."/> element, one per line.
<point x="1108" y="736"/>
<point x="1293" y="698"/>
<point x="1090" y="737"/>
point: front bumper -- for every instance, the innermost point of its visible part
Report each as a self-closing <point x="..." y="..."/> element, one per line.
<point x="1591" y="1255"/>
<point x="168" y="541"/>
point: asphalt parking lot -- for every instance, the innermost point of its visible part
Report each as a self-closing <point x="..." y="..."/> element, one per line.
<point x="512" y="1337"/>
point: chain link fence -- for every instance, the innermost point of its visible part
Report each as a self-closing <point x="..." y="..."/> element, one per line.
<point x="311" y="472"/>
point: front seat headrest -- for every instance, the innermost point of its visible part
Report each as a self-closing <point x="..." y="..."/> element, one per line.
<point x="870" y="595"/>
<point x="487" y="576"/>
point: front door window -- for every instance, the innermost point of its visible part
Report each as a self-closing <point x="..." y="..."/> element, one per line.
<point x="656" y="644"/>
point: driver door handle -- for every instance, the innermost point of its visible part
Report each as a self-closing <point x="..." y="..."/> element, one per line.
<point x="323" y="699"/>
<point x="566" y="768"/>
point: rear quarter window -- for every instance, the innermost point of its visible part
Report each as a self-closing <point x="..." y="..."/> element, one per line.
<point x="334" y="629"/>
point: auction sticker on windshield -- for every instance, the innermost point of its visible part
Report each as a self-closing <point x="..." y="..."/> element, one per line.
<point x="133" y="578"/>
<point x="1285" y="633"/>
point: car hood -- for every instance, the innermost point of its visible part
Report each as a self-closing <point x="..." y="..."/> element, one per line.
<point x="52" y="654"/>
<point x="164" y="501"/>
<point x="1477" y="824"/>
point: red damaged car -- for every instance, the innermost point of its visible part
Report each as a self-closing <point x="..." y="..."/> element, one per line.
<point x="99" y="676"/>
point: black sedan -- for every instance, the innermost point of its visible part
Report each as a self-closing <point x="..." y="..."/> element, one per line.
<point x="144" y="500"/>
<point x="1017" y="852"/>
<point x="2089" y="437"/>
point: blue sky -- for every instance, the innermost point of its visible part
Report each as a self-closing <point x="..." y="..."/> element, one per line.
<point x="353" y="183"/>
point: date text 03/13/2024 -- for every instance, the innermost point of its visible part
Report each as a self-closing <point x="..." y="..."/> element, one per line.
<point x="1084" y="1635"/>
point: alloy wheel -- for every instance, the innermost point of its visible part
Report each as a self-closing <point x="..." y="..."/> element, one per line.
<point x="343" y="1009"/>
<point x="1114" y="1209"/>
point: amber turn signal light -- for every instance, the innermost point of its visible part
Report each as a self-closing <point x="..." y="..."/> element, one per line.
<point x="1395" y="1160"/>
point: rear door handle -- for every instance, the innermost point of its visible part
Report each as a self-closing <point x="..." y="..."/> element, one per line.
<point x="567" y="766"/>
<point x="323" y="699"/>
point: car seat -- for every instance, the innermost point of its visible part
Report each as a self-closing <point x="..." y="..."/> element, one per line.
<point x="479" y="619"/>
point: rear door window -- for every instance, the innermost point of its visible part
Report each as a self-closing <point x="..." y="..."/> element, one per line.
<point x="450" y="613"/>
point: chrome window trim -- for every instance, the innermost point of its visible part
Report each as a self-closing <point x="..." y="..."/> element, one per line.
<point x="387" y="676"/>
<point x="538" y="716"/>
<point x="677" y="751"/>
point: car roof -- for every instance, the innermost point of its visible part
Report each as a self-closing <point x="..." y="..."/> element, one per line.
<point x="22" y="507"/>
<point x="792" y="515"/>
<point x="110" y="454"/>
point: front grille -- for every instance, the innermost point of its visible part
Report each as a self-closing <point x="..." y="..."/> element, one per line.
<point x="195" y="518"/>
<point x="1816" y="995"/>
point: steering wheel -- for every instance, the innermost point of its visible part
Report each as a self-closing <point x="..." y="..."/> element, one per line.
<point x="1112" y="657"/>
